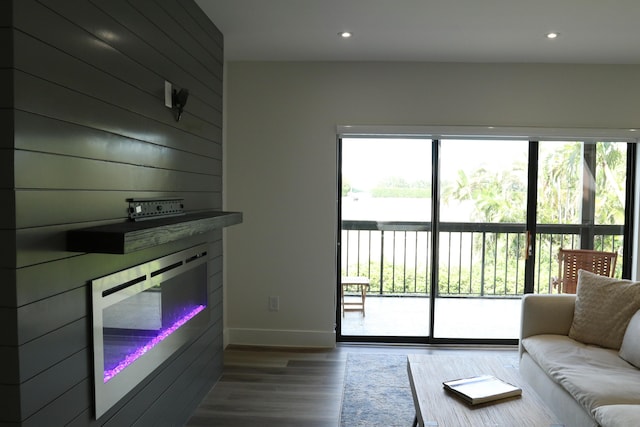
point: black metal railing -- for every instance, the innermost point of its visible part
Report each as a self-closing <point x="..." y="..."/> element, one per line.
<point x="474" y="259"/>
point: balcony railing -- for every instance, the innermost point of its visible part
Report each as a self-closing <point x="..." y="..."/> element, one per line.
<point x="474" y="259"/>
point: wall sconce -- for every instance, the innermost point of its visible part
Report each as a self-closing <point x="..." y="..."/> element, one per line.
<point x="175" y="99"/>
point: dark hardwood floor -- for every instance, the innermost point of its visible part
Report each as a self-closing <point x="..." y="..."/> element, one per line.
<point x="294" y="387"/>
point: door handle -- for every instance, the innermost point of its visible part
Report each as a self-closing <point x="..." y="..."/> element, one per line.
<point x="529" y="250"/>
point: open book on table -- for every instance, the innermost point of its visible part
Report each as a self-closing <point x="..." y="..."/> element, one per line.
<point x="481" y="389"/>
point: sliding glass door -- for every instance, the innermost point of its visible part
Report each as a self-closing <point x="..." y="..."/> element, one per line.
<point x="481" y="238"/>
<point x="449" y="234"/>
<point x="385" y="234"/>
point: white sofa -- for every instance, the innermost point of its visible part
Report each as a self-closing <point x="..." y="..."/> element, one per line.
<point x="575" y="350"/>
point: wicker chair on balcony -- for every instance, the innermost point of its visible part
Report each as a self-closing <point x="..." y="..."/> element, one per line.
<point x="572" y="260"/>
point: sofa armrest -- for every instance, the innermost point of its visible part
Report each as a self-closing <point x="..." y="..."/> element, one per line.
<point x="546" y="314"/>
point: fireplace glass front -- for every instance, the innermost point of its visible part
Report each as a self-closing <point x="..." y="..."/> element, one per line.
<point x="143" y="315"/>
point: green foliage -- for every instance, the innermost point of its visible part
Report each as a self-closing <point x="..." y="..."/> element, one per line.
<point x="496" y="196"/>
<point x="395" y="279"/>
<point x="559" y="192"/>
<point x="500" y="197"/>
<point x="453" y="282"/>
<point x="399" y="188"/>
<point x="560" y="184"/>
<point x="346" y="187"/>
<point x="404" y="193"/>
<point x="610" y="183"/>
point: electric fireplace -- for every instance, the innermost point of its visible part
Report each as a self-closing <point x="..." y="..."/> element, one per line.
<point x="141" y="316"/>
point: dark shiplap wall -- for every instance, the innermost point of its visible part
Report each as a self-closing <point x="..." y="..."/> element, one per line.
<point x="85" y="129"/>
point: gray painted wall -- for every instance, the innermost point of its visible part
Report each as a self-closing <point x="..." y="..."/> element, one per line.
<point x="83" y="127"/>
<point x="281" y="168"/>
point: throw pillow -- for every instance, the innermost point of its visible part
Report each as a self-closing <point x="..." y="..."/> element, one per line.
<point x="630" y="348"/>
<point x="604" y="306"/>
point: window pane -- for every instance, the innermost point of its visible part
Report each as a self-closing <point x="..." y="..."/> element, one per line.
<point x="484" y="181"/>
<point x="386" y="238"/>
<point x="386" y="179"/>
<point x="560" y="182"/>
<point x="611" y="170"/>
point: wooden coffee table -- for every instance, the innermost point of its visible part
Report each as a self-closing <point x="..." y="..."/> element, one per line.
<point x="435" y="407"/>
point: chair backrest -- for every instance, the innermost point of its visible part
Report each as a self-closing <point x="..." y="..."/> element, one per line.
<point x="572" y="260"/>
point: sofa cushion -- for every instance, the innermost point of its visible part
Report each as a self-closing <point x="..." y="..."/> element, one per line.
<point x="617" y="415"/>
<point x="630" y="348"/>
<point x="593" y="375"/>
<point x="603" y="309"/>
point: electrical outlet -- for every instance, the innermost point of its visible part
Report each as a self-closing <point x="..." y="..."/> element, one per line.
<point x="274" y="303"/>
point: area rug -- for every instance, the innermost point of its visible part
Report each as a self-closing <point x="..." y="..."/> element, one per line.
<point x="376" y="391"/>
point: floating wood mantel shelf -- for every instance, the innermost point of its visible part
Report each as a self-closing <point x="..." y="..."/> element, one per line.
<point x="131" y="236"/>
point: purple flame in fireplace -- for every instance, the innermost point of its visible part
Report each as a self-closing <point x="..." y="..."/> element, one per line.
<point x="140" y="351"/>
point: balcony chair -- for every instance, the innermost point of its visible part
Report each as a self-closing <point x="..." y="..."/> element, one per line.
<point x="362" y="284"/>
<point x="572" y="260"/>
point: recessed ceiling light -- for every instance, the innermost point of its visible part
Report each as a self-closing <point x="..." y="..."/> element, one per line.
<point x="552" y="35"/>
<point x="345" y="34"/>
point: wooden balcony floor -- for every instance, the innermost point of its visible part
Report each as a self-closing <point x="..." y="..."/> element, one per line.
<point x="491" y="318"/>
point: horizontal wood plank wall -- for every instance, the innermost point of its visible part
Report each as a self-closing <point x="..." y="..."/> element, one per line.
<point x="89" y="129"/>
<point x="9" y="356"/>
<point x="7" y="213"/>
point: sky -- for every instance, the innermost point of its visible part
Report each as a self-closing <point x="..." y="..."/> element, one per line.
<point x="365" y="161"/>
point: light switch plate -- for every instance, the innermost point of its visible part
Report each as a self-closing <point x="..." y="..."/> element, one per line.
<point x="167" y="94"/>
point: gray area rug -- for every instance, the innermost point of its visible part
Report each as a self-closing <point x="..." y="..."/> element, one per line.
<point x="376" y="391"/>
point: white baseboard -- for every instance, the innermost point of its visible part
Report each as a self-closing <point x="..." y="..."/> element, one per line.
<point x="280" y="338"/>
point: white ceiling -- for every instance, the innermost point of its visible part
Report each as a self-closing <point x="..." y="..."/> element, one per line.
<point x="591" y="31"/>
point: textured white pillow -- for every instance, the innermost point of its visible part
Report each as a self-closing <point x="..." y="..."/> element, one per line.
<point x="630" y="348"/>
<point x="603" y="309"/>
